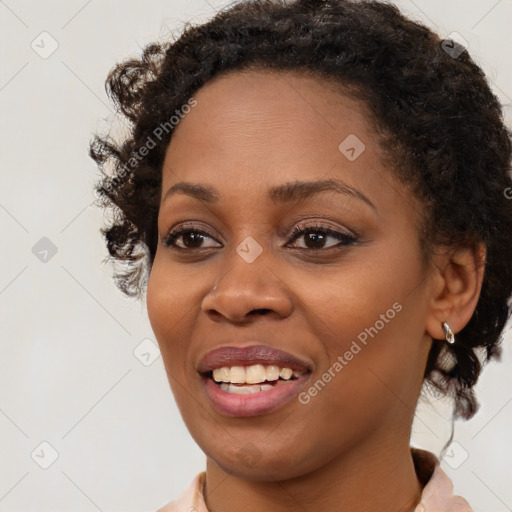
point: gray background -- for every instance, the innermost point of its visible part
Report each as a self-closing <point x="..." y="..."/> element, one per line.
<point x="73" y="374"/>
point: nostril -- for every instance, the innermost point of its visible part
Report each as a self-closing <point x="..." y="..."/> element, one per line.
<point x="259" y="311"/>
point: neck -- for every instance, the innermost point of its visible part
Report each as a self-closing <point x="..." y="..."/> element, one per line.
<point x="377" y="478"/>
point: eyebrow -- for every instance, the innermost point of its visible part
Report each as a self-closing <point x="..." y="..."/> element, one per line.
<point x="288" y="192"/>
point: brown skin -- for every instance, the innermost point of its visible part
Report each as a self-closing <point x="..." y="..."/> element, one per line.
<point x="348" y="449"/>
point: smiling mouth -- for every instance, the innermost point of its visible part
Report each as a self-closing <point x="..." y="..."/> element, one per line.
<point x="246" y="380"/>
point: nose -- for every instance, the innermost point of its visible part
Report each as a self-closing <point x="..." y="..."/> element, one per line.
<point x="246" y="291"/>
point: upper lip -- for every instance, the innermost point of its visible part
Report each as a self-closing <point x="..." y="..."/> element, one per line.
<point x="254" y="354"/>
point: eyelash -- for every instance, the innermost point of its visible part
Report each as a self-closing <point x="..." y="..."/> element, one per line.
<point x="344" y="238"/>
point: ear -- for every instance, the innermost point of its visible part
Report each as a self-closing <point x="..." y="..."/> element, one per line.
<point x="456" y="285"/>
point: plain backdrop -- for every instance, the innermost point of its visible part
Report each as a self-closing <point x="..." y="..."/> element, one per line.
<point x="87" y="419"/>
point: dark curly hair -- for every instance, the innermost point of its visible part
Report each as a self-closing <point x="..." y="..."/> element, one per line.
<point x="439" y="124"/>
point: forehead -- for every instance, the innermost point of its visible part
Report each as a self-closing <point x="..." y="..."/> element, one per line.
<point x="252" y="129"/>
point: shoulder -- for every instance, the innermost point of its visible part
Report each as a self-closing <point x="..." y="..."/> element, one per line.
<point x="191" y="500"/>
<point x="437" y="495"/>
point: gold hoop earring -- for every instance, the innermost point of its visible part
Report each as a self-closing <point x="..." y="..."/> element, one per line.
<point x="448" y="333"/>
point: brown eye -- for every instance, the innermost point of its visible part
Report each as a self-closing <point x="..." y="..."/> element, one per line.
<point x="190" y="239"/>
<point x="315" y="237"/>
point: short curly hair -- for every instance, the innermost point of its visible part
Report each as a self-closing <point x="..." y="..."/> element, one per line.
<point x="440" y="126"/>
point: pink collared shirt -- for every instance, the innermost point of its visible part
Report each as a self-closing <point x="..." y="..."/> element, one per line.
<point x="437" y="495"/>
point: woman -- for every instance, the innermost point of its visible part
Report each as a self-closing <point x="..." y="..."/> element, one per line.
<point x="313" y="198"/>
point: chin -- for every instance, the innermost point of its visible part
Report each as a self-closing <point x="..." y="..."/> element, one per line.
<point x="250" y="463"/>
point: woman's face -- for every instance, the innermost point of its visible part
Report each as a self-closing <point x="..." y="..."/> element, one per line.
<point x="285" y="157"/>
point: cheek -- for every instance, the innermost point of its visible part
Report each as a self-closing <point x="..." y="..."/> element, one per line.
<point x="381" y="368"/>
<point x="374" y="322"/>
<point x="158" y="300"/>
<point x="169" y="308"/>
<point x="173" y="299"/>
<point x="340" y="305"/>
<point x="167" y="314"/>
<point x="170" y="298"/>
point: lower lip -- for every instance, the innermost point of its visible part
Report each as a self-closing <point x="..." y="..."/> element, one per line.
<point x="253" y="404"/>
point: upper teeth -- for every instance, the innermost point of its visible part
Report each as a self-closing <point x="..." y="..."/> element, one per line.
<point x="253" y="374"/>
